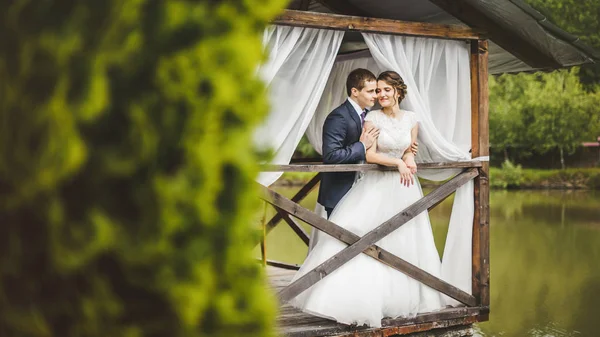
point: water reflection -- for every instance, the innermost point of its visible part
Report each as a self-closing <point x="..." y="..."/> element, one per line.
<point x="545" y="252"/>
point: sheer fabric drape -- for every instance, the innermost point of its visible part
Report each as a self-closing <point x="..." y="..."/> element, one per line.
<point x="298" y="67"/>
<point x="437" y="75"/>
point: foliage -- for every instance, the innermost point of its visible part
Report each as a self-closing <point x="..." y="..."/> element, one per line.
<point x="295" y="178"/>
<point x="581" y="18"/>
<point x="511" y="176"/>
<point x="126" y="170"/>
<point x="507" y="126"/>
<point x="305" y="149"/>
<point x="530" y="111"/>
<point x="542" y="111"/>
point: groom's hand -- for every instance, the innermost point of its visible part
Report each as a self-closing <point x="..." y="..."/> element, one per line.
<point x="414" y="148"/>
<point x="368" y="136"/>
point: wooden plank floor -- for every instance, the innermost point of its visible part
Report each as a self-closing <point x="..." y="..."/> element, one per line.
<point x="294" y="323"/>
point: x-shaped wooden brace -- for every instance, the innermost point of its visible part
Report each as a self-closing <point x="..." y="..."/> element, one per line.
<point x="366" y="244"/>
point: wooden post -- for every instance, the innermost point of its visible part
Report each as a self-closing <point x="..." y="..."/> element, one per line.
<point x="480" y="147"/>
<point x="304" y="191"/>
<point x="263" y="242"/>
<point x="294" y="226"/>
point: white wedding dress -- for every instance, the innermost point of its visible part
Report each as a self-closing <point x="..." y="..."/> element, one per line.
<point x="363" y="291"/>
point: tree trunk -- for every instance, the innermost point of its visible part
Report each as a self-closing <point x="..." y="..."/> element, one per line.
<point x="562" y="158"/>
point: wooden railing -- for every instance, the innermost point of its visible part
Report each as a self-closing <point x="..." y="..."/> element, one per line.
<point x="288" y="209"/>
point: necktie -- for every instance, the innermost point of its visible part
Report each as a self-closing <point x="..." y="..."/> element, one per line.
<point x="363" y="115"/>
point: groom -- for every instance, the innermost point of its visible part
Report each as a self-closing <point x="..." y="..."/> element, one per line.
<point x="345" y="140"/>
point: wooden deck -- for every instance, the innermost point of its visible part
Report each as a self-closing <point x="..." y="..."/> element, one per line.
<point x="292" y="322"/>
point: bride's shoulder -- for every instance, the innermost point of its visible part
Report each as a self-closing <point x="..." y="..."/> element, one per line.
<point x="372" y="115"/>
<point x="412" y="117"/>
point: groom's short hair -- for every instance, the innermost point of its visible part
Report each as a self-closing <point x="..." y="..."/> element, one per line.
<point x="357" y="78"/>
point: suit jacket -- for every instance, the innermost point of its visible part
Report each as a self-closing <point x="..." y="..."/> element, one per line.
<point x="341" y="134"/>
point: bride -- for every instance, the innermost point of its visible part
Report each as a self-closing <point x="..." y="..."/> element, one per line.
<point x="363" y="291"/>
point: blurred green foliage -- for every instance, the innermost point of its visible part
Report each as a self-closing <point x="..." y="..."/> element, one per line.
<point x="305" y="149"/>
<point x="126" y="168"/>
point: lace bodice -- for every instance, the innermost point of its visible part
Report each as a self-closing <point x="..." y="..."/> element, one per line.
<point x="394" y="136"/>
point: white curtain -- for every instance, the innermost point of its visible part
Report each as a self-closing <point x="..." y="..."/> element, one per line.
<point x="335" y="93"/>
<point x="437" y="75"/>
<point x="300" y="60"/>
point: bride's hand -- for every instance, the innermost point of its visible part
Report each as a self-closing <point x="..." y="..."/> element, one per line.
<point x="411" y="164"/>
<point x="406" y="177"/>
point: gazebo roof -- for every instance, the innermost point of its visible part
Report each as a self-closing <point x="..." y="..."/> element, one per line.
<point x="521" y="38"/>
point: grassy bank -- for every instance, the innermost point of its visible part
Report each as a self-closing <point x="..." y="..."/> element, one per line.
<point x="508" y="176"/>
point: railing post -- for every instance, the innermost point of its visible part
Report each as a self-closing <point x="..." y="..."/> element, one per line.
<point x="480" y="147"/>
<point x="263" y="241"/>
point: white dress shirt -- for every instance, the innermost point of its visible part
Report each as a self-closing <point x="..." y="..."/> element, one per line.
<point x="357" y="108"/>
<point x="359" y="111"/>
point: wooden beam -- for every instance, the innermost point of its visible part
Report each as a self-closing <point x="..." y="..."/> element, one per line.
<point x="283" y="265"/>
<point x="263" y="239"/>
<point x="515" y="44"/>
<point x="294" y="226"/>
<point x="375" y="25"/>
<point x="320" y="167"/>
<point x="296" y="327"/>
<point x="439" y="202"/>
<point x="435" y="328"/>
<point x="304" y="191"/>
<point x="366" y="243"/>
<point x="484" y="174"/>
<point x="480" y="142"/>
<point x="475" y="264"/>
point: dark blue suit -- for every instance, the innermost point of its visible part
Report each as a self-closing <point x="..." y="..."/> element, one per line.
<point x="341" y="134"/>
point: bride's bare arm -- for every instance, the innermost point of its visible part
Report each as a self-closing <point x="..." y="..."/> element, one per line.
<point x="373" y="157"/>
<point x="412" y="149"/>
<point x="409" y="157"/>
<point x="377" y="158"/>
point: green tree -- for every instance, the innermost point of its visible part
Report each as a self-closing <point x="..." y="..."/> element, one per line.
<point x="506" y="125"/>
<point x="564" y="114"/>
<point x="542" y="111"/>
<point x="126" y="168"/>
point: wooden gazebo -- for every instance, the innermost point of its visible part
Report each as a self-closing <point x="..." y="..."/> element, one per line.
<point x="483" y="28"/>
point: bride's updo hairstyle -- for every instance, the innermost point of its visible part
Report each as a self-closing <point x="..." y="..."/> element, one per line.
<point x="395" y="80"/>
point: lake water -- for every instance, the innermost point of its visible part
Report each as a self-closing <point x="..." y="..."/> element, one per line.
<point x="545" y="260"/>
